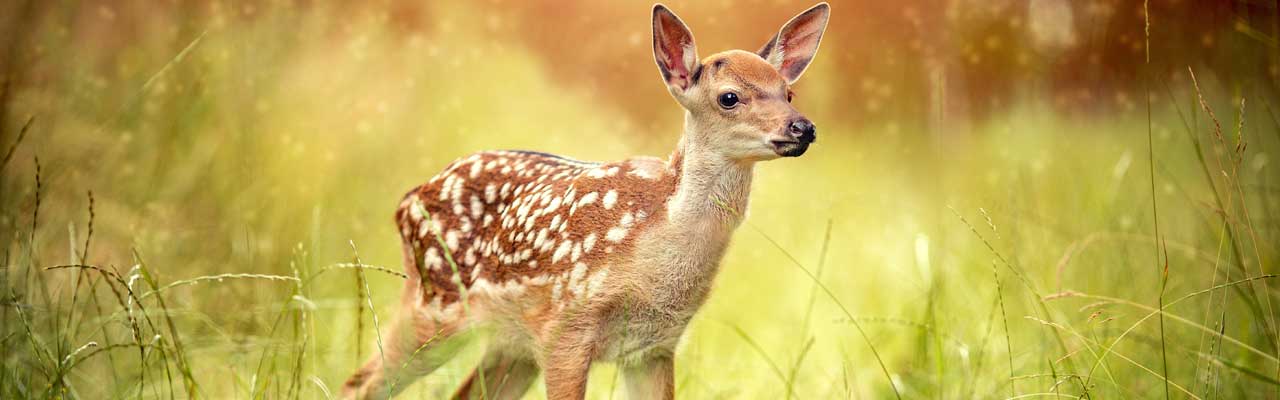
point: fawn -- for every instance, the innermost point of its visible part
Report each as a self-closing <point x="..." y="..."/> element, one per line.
<point x="571" y="262"/>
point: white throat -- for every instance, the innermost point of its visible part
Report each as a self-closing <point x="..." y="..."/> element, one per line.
<point x="712" y="186"/>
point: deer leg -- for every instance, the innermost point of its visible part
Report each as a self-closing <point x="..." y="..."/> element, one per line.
<point x="651" y="378"/>
<point x="415" y="345"/>
<point x="505" y="376"/>
<point x="567" y="363"/>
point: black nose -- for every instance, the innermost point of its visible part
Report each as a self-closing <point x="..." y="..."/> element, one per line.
<point x="803" y="130"/>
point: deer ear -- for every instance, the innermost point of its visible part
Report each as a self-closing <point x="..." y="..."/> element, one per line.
<point x="673" y="48"/>
<point x="791" y="50"/>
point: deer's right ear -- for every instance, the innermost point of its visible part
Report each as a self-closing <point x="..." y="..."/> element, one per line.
<point x="673" y="49"/>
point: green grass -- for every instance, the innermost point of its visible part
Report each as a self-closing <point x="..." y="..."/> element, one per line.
<point x="187" y="228"/>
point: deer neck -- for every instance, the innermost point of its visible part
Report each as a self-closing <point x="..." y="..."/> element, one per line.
<point x="711" y="186"/>
<point x="706" y="206"/>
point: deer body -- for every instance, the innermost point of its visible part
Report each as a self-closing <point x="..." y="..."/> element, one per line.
<point x="571" y="262"/>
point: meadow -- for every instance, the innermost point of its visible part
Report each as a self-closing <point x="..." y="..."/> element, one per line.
<point x="203" y="208"/>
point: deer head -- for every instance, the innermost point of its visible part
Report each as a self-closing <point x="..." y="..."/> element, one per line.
<point x="738" y="103"/>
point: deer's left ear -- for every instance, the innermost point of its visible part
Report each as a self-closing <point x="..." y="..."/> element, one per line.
<point x="791" y="50"/>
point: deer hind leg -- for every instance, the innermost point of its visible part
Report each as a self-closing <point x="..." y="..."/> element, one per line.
<point x="505" y="376"/>
<point x="416" y="343"/>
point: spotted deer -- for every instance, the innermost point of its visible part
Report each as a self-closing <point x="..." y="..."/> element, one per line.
<point x="568" y="262"/>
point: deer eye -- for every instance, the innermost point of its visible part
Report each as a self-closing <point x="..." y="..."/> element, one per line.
<point x="728" y="100"/>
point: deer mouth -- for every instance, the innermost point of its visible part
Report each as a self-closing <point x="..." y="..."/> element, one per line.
<point x="789" y="148"/>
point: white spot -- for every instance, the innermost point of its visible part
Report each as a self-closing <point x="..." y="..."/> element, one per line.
<point x="642" y="173"/>
<point x="466" y="225"/>
<point x="561" y="251"/>
<point x="477" y="208"/>
<point x="542" y="237"/>
<point x="490" y="193"/>
<point x="589" y="242"/>
<point x="577" y="252"/>
<point x="415" y="211"/>
<point x="588" y="199"/>
<point x="616" y="234"/>
<point x="457" y="188"/>
<point x="451" y="240"/>
<point x="555" y="203"/>
<point x="475" y="169"/>
<point x="609" y="199"/>
<point x="432" y="258"/>
<point x="444" y="188"/>
<point x="555" y="221"/>
<point x="626" y="220"/>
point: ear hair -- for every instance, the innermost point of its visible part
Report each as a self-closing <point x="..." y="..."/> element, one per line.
<point x="793" y="48"/>
<point x="673" y="49"/>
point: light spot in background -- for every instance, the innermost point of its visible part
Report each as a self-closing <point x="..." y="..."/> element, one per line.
<point x="1052" y="24"/>
<point x="1122" y="165"/>
<point x="922" y="259"/>
<point x="636" y="38"/>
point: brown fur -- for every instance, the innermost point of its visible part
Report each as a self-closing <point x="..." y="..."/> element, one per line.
<point x="514" y="216"/>
<point x="572" y="262"/>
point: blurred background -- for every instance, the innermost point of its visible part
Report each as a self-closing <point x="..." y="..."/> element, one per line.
<point x="1002" y="193"/>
